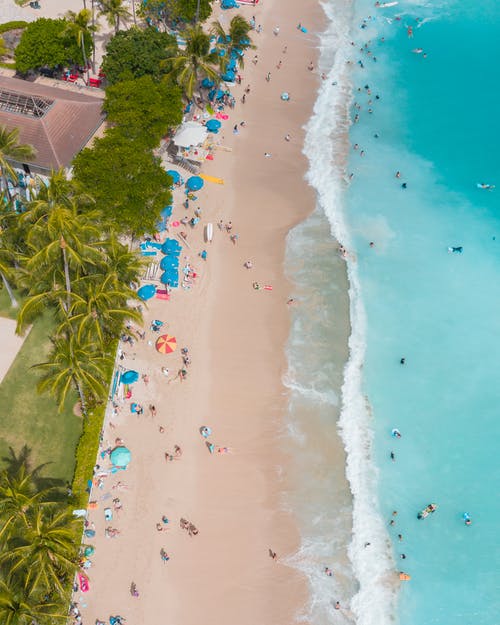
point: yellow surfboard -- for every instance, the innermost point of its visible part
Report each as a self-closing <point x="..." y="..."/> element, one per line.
<point x="212" y="179"/>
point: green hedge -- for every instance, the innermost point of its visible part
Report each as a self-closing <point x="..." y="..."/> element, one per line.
<point x="12" y="26"/>
<point x="88" y="446"/>
<point x="8" y="65"/>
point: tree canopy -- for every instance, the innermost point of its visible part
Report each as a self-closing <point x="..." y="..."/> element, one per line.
<point x="161" y="13"/>
<point x="126" y="180"/>
<point x="134" y="53"/>
<point x="130" y="103"/>
<point x="47" y="43"/>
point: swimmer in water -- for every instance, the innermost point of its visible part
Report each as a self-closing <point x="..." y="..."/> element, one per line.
<point x="456" y="250"/>
<point x="409" y="32"/>
<point x="396" y="433"/>
<point x="402" y="361"/>
<point x="393" y="456"/>
<point x="328" y="571"/>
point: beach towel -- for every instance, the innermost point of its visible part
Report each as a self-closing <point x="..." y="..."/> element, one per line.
<point x="83" y="581"/>
<point x="165" y="296"/>
<point x="222" y="116"/>
<point x="212" y="179"/>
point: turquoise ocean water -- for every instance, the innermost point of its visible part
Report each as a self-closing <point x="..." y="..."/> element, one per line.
<point x="436" y="123"/>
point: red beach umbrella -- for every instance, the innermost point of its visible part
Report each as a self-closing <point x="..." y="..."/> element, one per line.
<point x="166" y="344"/>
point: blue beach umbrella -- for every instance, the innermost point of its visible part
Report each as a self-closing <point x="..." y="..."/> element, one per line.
<point x="168" y="262"/>
<point x="171" y="245"/>
<point x="167" y="211"/>
<point x="175" y="175"/>
<point x="213" y="125"/>
<point x="170" y="278"/>
<point x="121" y="457"/>
<point x="195" y="183"/>
<point x="216" y="94"/>
<point x="129" y="377"/>
<point x="146" y="292"/>
<point x="285" y="96"/>
<point x="206" y="83"/>
<point x="228" y="76"/>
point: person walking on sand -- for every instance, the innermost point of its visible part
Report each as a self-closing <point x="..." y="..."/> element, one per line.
<point x="152" y="410"/>
<point x="272" y="554"/>
<point x="268" y="77"/>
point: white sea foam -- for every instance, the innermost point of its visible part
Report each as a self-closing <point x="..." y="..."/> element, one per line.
<point x="326" y="145"/>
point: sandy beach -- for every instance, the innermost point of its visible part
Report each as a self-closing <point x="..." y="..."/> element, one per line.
<point x="235" y="335"/>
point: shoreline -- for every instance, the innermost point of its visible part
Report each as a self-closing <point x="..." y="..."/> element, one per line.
<point x="237" y="337"/>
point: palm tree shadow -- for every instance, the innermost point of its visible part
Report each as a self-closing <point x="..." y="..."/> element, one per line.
<point x="14" y="462"/>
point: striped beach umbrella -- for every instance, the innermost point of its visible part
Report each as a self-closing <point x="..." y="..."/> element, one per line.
<point x="166" y="344"/>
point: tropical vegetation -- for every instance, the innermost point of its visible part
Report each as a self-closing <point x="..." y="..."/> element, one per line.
<point x="137" y="52"/>
<point x="130" y="102"/>
<point x="50" y="44"/>
<point x="39" y="546"/>
<point x="164" y="14"/>
<point x="115" y="13"/>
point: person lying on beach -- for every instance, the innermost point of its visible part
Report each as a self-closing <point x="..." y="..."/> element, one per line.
<point x="192" y="530"/>
<point x="111" y="532"/>
<point x="161" y="528"/>
<point x="164" y="555"/>
<point x="117" y="504"/>
<point x="120" y="486"/>
<point x="169" y="457"/>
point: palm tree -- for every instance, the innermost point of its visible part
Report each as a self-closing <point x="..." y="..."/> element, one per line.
<point x="121" y="264"/>
<point x="6" y="269"/>
<point x="235" y="41"/>
<point x="114" y="11"/>
<point x="100" y="309"/>
<point x="195" y="62"/>
<point x="46" y="552"/>
<point x="79" y="25"/>
<point x="74" y="364"/>
<point x="21" y="606"/>
<point x="59" y="234"/>
<point x="19" y="493"/>
<point x="12" y="150"/>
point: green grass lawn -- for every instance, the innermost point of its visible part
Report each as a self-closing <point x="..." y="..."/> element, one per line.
<point x="32" y="419"/>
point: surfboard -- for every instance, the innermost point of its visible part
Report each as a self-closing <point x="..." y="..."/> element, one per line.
<point x="209" y="232"/>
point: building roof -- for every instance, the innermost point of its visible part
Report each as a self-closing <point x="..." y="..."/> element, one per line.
<point x="56" y="122"/>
